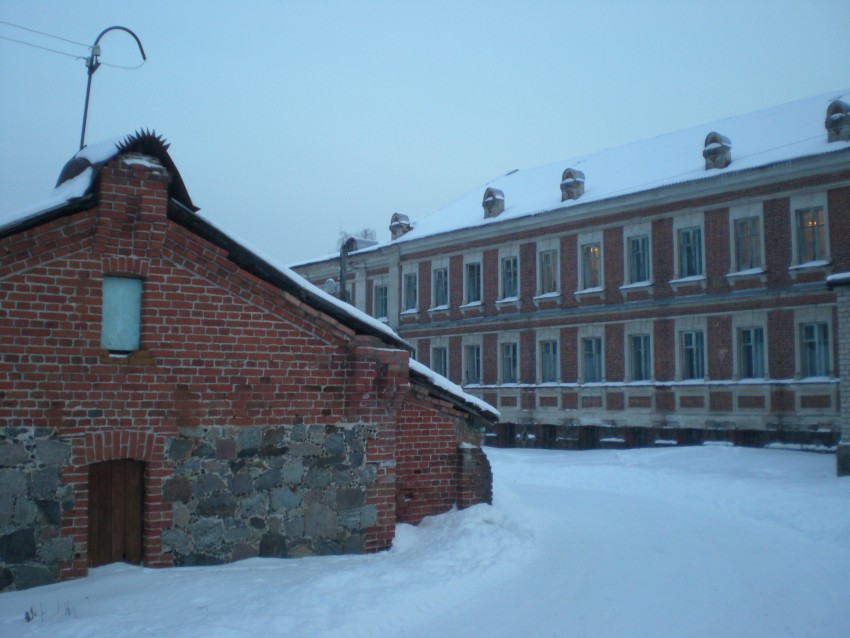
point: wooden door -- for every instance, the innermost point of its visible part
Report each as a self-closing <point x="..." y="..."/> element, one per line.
<point x="116" y="500"/>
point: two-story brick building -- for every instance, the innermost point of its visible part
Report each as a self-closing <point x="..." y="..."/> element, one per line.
<point x="170" y="397"/>
<point x="670" y="290"/>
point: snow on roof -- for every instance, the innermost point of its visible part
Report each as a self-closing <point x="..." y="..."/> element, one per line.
<point x="452" y="388"/>
<point x="780" y="133"/>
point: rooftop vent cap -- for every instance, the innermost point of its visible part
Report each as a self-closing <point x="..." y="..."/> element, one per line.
<point x="572" y="184"/>
<point x="493" y="203"/>
<point x="717" y="151"/>
<point x="399" y="225"/>
<point x="837" y="122"/>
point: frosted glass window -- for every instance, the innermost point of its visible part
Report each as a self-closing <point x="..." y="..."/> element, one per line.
<point x="122" y="314"/>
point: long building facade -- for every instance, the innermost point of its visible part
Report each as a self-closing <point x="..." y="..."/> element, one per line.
<point x="665" y="292"/>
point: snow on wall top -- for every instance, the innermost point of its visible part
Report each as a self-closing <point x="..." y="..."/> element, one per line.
<point x="452" y="388"/>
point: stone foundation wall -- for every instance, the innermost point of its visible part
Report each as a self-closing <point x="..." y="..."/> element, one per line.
<point x="32" y="499"/>
<point x="278" y="491"/>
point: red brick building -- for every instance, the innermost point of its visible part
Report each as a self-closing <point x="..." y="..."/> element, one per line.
<point x="669" y="291"/>
<point x="167" y="397"/>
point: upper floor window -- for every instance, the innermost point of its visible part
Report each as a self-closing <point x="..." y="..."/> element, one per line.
<point x="548" y="271"/>
<point x="591" y="265"/>
<point x="690" y="251"/>
<point x="510" y="277"/>
<point x="549" y="361"/>
<point x="814" y="349"/>
<point x="811" y="235"/>
<point x="441" y="288"/>
<point x="591" y="348"/>
<point x="473" y="283"/>
<point x="472" y="364"/>
<point x="640" y="358"/>
<point x="509" y="363"/>
<point x="751" y="352"/>
<point x="410" y="292"/>
<point x="638" y="259"/>
<point x="379" y="302"/>
<point x="440" y="360"/>
<point x="692" y="354"/>
<point x="748" y="243"/>
<point x="122" y="314"/>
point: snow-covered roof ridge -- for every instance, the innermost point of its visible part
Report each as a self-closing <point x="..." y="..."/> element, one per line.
<point x="779" y="133"/>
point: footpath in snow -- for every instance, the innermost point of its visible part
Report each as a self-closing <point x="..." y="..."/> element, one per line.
<point x="688" y="542"/>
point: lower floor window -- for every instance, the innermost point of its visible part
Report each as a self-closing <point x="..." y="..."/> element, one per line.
<point x="472" y="371"/>
<point x="439" y="361"/>
<point x="693" y="355"/>
<point x="548" y="361"/>
<point x="641" y="368"/>
<point x="814" y="340"/>
<point x="752" y="353"/>
<point x="592" y="355"/>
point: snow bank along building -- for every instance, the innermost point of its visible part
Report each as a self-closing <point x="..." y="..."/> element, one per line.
<point x="168" y="397"/>
<point x="670" y="290"/>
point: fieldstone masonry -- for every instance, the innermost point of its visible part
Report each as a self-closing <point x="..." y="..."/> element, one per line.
<point x="274" y="491"/>
<point x="32" y="499"/>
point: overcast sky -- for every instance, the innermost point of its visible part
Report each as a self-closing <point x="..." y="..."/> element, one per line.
<point x="291" y="121"/>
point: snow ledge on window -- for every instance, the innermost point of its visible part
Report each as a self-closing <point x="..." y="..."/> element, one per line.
<point x="688" y="281"/>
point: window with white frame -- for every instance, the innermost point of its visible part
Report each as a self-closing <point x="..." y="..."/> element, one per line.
<point x="591" y="265"/>
<point x="379" y="301"/>
<point x="810" y="227"/>
<point x="811" y="234"/>
<point x="440" y="360"/>
<point x="637" y="249"/>
<point x="640" y="357"/>
<point x="440" y="287"/>
<point x="748" y="243"/>
<point x="591" y="353"/>
<point x="547" y="271"/>
<point x="472" y="282"/>
<point x="692" y="357"/>
<point x="689" y="242"/>
<point x="121" y="314"/>
<point x="751" y="352"/>
<point x="510" y="277"/>
<point x="410" y="292"/>
<point x="472" y="364"/>
<point x="548" y="360"/>
<point x="814" y="349"/>
<point x="509" y="362"/>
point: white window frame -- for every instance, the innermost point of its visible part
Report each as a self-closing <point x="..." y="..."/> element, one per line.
<point x="467" y="343"/>
<point x="814" y="315"/>
<point x="586" y="240"/>
<point x="548" y="336"/>
<point x="552" y="246"/>
<point x="438" y="344"/>
<point x="469" y="260"/>
<point x="585" y="333"/>
<point x="439" y="266"/>
<point x="509" y="349"/>
<point x="376" y="284"/>
<point x="409" y="271"/>
<point x="749" y="321"/>
<point x="686" y="222"/>
<point x="754" y="210"/>
<point x="638" y="329"/>
<point x="801" y="203"/>
<point x="505" y="254"/>
<point x="688" y="325"/>
<point x="630" y="232"/>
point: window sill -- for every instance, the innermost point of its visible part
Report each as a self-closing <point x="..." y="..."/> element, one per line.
<point x="638" y="287"/>
<point x="474" y="306"/>
<point x="753" y="274"/>
<point x="508" y="301"/>
<point x="590" y="293"/>
<point x="412" y="311"/>
<point x="821" y="266"/>
<point x="684" y="282"/>
<point x="438" y="310"/>
<point x="547" y="297"/>
<point x="135" y="358"/>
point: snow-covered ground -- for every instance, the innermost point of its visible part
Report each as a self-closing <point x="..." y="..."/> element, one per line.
<point x="689" y="542"/>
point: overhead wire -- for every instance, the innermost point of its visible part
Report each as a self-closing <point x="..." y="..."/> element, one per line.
<point x="38" y="46"/>
<point x="48" y="35"/>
